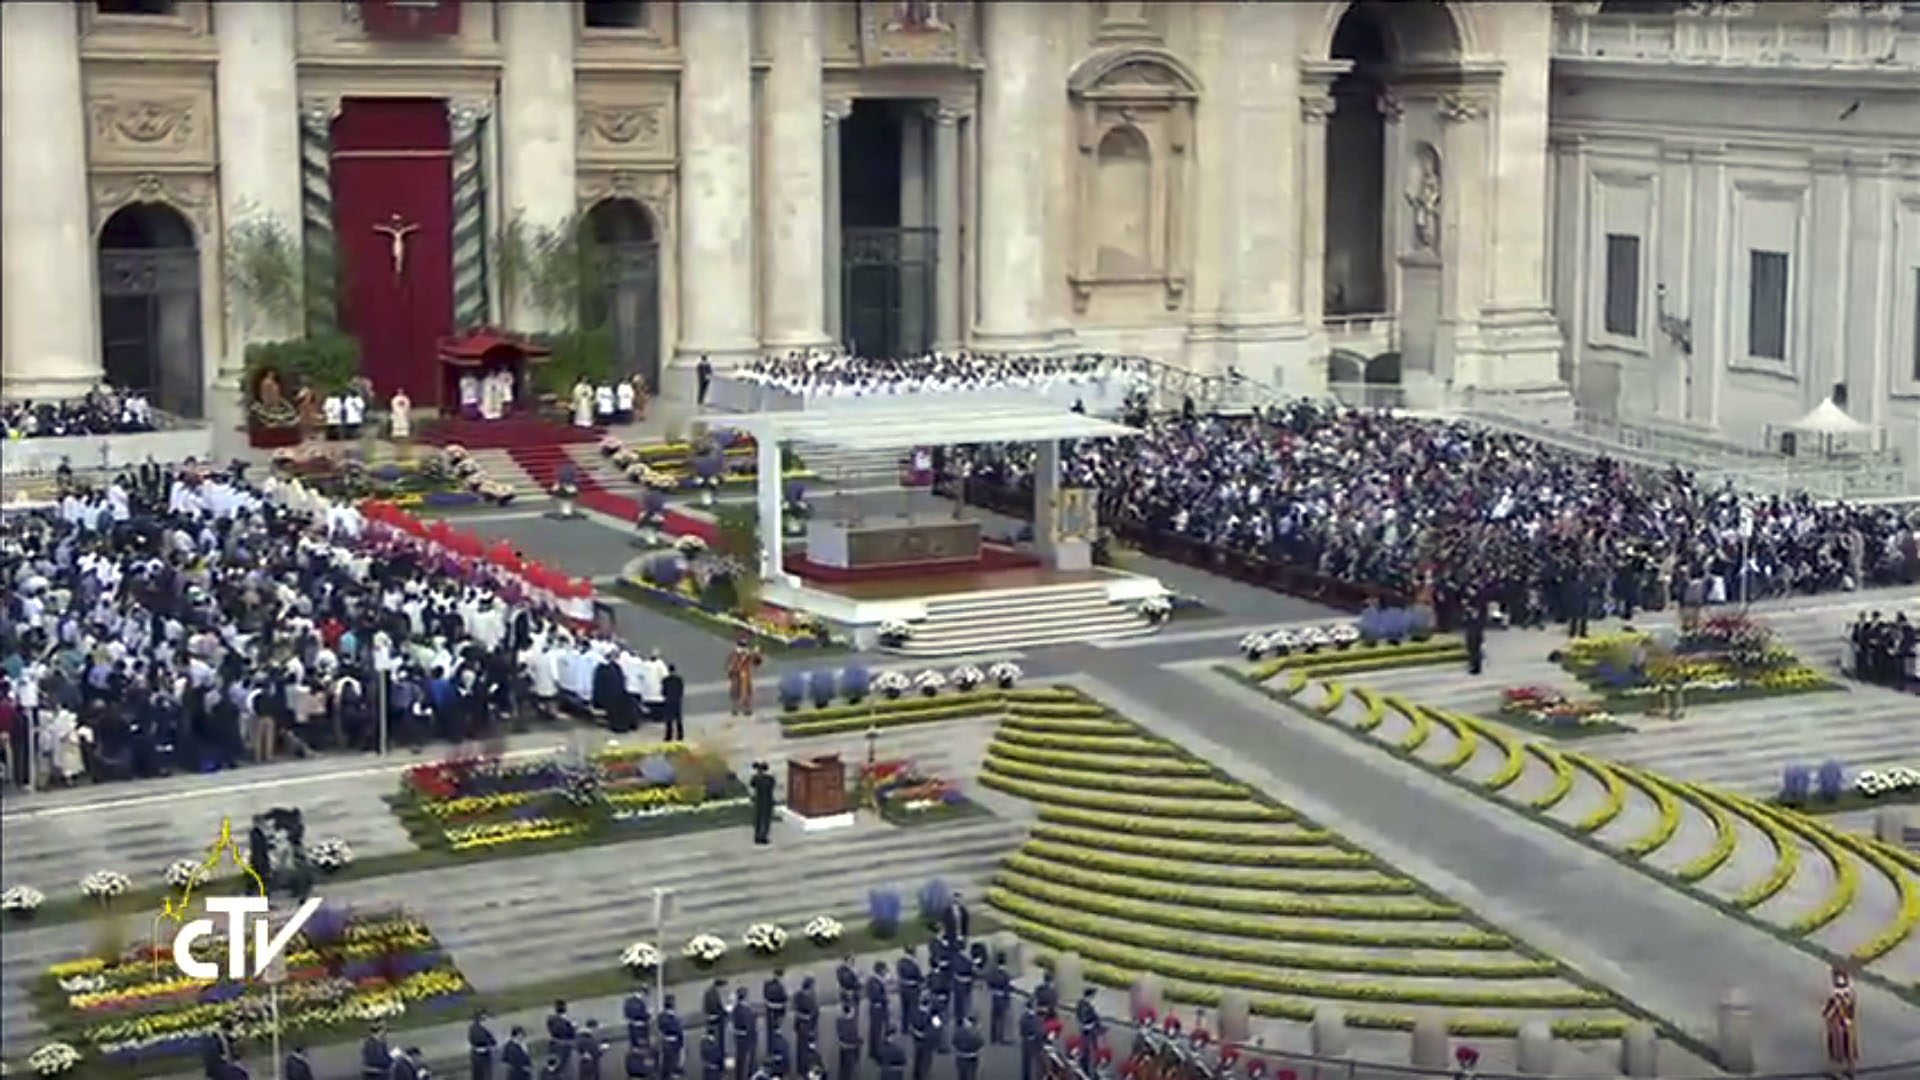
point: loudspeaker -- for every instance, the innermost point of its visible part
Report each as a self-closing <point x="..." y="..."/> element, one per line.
<point x="1789" y="443"/>
<point x="1839" y="394"/>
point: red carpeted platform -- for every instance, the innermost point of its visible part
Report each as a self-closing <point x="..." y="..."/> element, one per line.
<point x="506" y="433"/>
<point x="541" y="462"/>
<point x="992" y="557"/>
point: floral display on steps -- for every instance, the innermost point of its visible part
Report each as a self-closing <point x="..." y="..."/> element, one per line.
<point x="1309" y="639"/>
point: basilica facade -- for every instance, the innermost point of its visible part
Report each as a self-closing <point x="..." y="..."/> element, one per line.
<point x="1708" y="213"/>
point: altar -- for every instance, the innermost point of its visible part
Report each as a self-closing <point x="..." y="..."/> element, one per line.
<point x="891" y="543"/>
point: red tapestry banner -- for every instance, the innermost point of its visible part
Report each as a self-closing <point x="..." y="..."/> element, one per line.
<point x="393" y="222"/>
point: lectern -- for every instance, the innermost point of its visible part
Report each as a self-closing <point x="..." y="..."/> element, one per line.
<point x="817" y="786"/>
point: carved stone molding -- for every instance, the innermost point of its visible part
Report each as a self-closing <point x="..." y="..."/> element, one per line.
<point x="639" y="129"/>
<point x="317" y="114"/>
<point x="191" y="194"/>
<point x="1315" y="108"/>
<point x="464" y="115"/>
<point x="1391" y="107"/>
<point x="837" y="110"/>
<point x="947" y="117"/>
<point x="163" y="127"/>
<point x="651" y="188"/>
<point x="1460" y="108"/>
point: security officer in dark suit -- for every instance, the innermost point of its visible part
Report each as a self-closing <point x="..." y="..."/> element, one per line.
<point x="1046" y="997"/>
<point x="560" y="1035"/>
<point x="774" y="993"/>
<point x="846" y="1034"/>
<point x="410" y="1067"/>
<point x="639" y="1062"/>
<point x="480" y="1047"/>
<point x="1088" y="1020"/>
<point x="713" y="1055"/>
<point x="877" y="1022"/>
<point x="938" y="1002"/>
<point x="920" y="1030"/>
<point x="376" y="1058"/>
<point x="554" y="1069"/>
<point x="1029" y="1040"/>
<point x="516" y="1057"/>
<point x="908" y="972"/>
<point x="963" y="974"/>
<point x="848" y="979"/>
<point x="297" y="1067"/>
<point x="745" y="1044"/>
<point x="714" y="1004"/>
<point x="966" y="1049"/>
<point x="806" y="1027"/>
<point x="639" y="1023"/>
<point x="999" y="1000"/>
<point x="588" y="1046"/>
<point x="893" y="1061"/>
<point x="673" y="1039"/>
<point x="779" y="1055"/>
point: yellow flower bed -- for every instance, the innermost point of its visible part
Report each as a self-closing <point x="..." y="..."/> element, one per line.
<point x="1334" y="661"/>
<point x="1723" y="837"/>
<point x="1296" y="682"/>
<point x="1214" y="809"/>
<point x="1273" y="850"/>
<point x="1024" y="867"/>
<point x="645" y="797"/>
<point x="1465" y="742"/>
<point x="1354" y="665"/>
<point x="1846" y="872"/>
<point x="1168" y="765"/>
<point x="1786" y="856"/>
<point x="1167" y="786"/>
<point x="1614" y="799"/>
<point x="1181" y="917"/>
<point x="1906" y="918"/>
<point x="1176" y="870"/>
<point x="475" y="837"/>
<point x="1060" y="725"/>
<point x="1422" y="727"/>
<point x="1129" y="745"/>
<point x="1668" y="824"/>
<point x="1514" y="755"/>
<point x="1376" y="709"/>
<point x="1170" y="827"/>
<point x="475" y="804"/>
<point x="1060" y="928"/>
<point x="1336" y="694"/>
<point x="1071" y="707"/>
<point x="1562" y="776"/>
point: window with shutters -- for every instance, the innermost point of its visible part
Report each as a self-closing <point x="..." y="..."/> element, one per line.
<point x="1767" y="304"/>
<point x="1622" y="315"/>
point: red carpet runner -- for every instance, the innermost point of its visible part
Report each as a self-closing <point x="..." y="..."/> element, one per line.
<point x="505" y="433"/>
<point x="542" y="463"/>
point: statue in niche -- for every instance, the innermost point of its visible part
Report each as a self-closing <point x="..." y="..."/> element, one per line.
<point x="1423" y="195"/>
<point x="916" y="17"/>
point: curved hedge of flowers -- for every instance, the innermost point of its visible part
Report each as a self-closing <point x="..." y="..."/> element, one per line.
<point x="344" y="968"/>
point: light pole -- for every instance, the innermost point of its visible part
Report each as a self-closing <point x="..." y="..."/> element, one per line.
<point x="661" y="898"/>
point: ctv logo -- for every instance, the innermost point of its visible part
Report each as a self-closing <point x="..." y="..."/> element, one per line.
<point x="267" y="946"/>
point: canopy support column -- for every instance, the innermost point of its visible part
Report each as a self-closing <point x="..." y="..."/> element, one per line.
<point x="1057" y="551"/>
<point x="769" y="485"/>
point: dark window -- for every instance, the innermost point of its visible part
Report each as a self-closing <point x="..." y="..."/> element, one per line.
<point x="616" y="14"/>
<point x="1767" y="305"/>
<point x="135" y="7"/>
<point x="1623" y="285"/>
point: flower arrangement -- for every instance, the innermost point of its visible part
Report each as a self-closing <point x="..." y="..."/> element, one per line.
<point x="611" y="446"/>
<point x="705" y="950"/>
<point x="330" y="855"/>
<point x="764" y="939"/>
<point x="930" y="682"/>
<point x="21" y="901"/>
<point x="824" y="930"/>
<point x="1877" y="783"/>
<point x="689" y="545"/>
<point x="1156" y="609"/>
<point x="104" y="885"/>
<point x="901" y="789"/>
<point x="891" y="684"/>
<point x="640" y="958"/>
<point x="967" y="678"/>
<point x="1004" y="674"/>
<point x="455" y="452"/>
<point x="895" y="633"/>
<point x="884" y="908"/>
<point x="181" y="872"/>
<point x="53" y="1059"/>
<point x="1733" y="656"/>
<point x="1543" y="705"/>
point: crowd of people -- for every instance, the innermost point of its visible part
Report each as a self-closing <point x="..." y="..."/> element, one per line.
<point x="1886" y="650"/>
<point x="1456" y="515"/>
<point x="837" y="375"/>
<point x="103" y="411"/>
<point x="174" y="621"/>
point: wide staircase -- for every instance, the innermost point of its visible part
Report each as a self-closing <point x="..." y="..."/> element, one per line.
<point x="843" y="468"/>
<point x="1021" y="618"/>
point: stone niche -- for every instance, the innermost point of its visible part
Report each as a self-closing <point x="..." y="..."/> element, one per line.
<point x="1133" y="113"/>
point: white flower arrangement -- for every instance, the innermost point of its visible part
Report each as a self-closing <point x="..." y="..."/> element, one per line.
<point x="689" y="545"/>
<point x="891" y="683"/>
<point x="330" y="854"/>
<point x="640" y="958"/>
<point x="1312" y="638"/>
<point x="1156" y="609"/>
<point x="53" y="1059"/>
<point x="705" y="949"/>
<point x="455" y="452"/>
<point x="966" y="677"/>
<point x="895" y="632"/>
<point x="104" y="884"/>
<point x="24" y="899"/>
<point x="765" y="938"/>
<point x="611" y="446"/>
<point x="1004" y="674"/>
<point x="181" y="872"/>
<point x="84" y="984"/>
<point x="824" y="930"/>
<point x="1344" y="634"/>
<point x="1873" y="784"/>
<point x="1253" y="644"/>
<point x="930" y="682"/>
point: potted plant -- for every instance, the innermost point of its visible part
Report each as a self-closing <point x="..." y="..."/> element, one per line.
<point x="933" y="899"/>
<point x="705" y="950"/>
<point x="104" y="886"/>
<point x="824" y="930"/>
<point x="53" y="1059"/>
<point x="821" y="683"/>
<point x="793" y="690"/>
<point x="22" y="902"/>
<point x="566" y="488"/>
<point x="895" y="633"/>
<point x="181" y="873"/>
<point x="930" y="682"/>
<point x="765" y="939"/>
<point x="1344" y="636"/>
<point x="891" y="685"/>
<point x="883" y="912"/>
<point x="1831" y="780"/>
<point x="1795" y="783"/>
<point x="855" y="681"/>
<point x="966" y="678"/>
<point x="1004" y="674"/>
<point x="1156" y="609"/>
<point x="330" y="856"/>
<point x="640" y="959"/>
<point x="1254" y="645"/>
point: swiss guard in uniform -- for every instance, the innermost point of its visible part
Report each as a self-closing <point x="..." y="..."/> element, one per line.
<point x="1842" y="1016"/>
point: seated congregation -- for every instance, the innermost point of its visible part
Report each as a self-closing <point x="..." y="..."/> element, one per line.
<point x="838" y="375"/>
<point x="103" y="411"/>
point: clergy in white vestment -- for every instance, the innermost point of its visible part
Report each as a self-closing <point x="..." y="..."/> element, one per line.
<point x="353" y="413"/>
<point x="582" y="404"/>
<point x="623" y="401"/>
<point x="400" y="416"/>
<point x="333" y="413"/>
<point x="470" y="395"/>
<point x="603" y="403"/>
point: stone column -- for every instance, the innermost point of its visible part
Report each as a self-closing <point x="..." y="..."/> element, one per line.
<point x="796" y="228"/>
<point x="716" y="190"/>
<point x="1463" y="231"/>
<point x="915" y="211"/>
<point x="537" y="130"/>
<point x="946" y="218"/>
<point x="1316" y="105"/>
<point x="833" y="114"/>
<point x="52" y="334"/>
<point x="1827" y="262"/>
<point x="259" y="131"/>
<point x="1520" y="178"/>
<point x="1018" y="90"/>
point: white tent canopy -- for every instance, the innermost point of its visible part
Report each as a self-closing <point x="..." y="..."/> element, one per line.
<point x="1827" y="418"/>
<point x="921" y="420"/>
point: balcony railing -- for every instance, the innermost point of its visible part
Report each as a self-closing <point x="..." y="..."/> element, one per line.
<point x="1743" y="36"/>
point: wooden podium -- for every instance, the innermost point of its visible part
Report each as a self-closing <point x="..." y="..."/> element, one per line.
<point x="817" y="786"/>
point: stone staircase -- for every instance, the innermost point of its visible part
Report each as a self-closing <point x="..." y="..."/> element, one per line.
<point x="842" y="467"/>
<point x="1021" y="618"/>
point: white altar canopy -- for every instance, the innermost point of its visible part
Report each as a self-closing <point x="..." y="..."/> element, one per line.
<point x="904" y="423"/>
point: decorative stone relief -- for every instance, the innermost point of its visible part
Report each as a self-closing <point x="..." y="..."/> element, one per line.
<point x="1391" y="107"/>
<point x="1315" y="108"/>
<point x="463" y="116"/>
<point x="168" y="128"/>
<point x="191" y="194"/>
<point x="1460" y="108"/>
<point x="1423" y="196"/>
<point x="317" y="115"/>
<point x="919" y="32"/>
<point x="624" y="130"/>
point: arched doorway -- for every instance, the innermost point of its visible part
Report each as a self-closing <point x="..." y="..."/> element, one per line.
<point x="627" y="304"/>
<point x="150" y="307"/>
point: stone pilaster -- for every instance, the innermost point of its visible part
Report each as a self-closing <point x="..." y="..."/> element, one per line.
<point x="537" y="129"/>
<point x="1316" y="105"/>
<point x="716" y="190"/>
<point x="946" y="218"/>
<point x="795" y="177"/>
<point x="1016" y="94"/>
<point x="835" y="300"/>
<point x="52" y="334"/>
<point x="259" y="130"/>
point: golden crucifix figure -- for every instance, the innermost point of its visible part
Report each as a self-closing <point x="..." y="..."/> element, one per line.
<point x="399" y="230"/>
